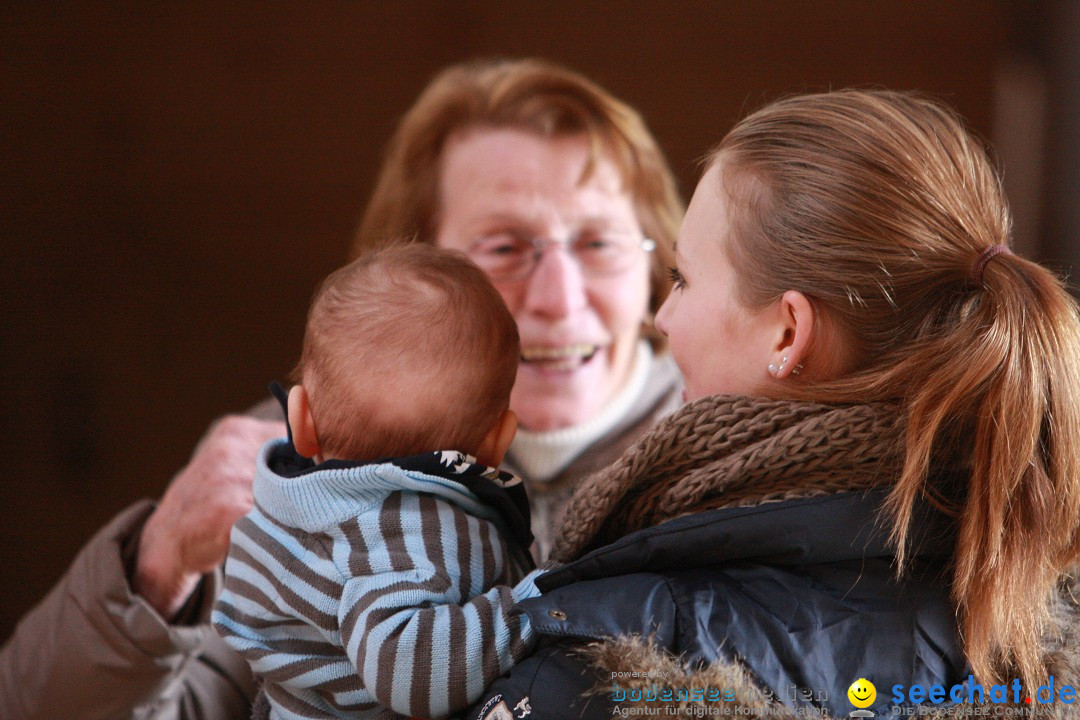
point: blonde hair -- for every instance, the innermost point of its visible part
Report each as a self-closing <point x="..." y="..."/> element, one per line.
<point x="536" y="97"/>
<point x="416" y="325"/>
<point x="877" y="206"/>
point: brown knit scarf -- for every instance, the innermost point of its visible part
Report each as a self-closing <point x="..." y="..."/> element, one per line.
<point x="727" y="451"/>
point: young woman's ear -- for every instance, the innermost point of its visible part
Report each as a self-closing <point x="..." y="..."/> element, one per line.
<point x="796" y="334"/>
<point x="497" y="441"/>
<point x="302" y="424"/>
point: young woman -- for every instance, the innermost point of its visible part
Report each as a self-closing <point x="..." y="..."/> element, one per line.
<point x="876" y="476"/>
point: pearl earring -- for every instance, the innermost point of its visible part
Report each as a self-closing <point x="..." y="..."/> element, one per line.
<point x="775" y="369"/>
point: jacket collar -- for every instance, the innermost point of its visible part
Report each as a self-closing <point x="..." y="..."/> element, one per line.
<point x="795" y="532"/>
<point x="497" y="489"/>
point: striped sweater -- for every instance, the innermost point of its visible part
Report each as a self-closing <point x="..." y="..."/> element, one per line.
<point x="365" y="590"/>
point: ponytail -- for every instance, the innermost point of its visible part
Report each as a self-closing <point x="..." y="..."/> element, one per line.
<point x="1000" y="385"/>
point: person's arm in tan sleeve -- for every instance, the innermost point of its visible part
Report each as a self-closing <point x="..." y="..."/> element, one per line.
<point x="125" y="632"/>
<point x="93" y="649"/>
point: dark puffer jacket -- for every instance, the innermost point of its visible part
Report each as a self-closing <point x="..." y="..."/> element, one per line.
<point x="803" y="594"/>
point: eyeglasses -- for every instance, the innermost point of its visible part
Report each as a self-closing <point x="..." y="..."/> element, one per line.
<point x="508" y="256"/>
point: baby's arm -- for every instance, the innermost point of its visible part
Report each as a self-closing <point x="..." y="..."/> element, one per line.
<point x="414" y="623"/>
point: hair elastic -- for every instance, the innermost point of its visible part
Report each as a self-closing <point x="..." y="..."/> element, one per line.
<point x="986" y="256"/>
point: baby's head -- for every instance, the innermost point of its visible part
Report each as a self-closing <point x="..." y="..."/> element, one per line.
<point x="407" y="350"/>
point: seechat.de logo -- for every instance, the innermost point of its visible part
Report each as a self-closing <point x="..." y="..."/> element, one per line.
<point x="862" y="694"/>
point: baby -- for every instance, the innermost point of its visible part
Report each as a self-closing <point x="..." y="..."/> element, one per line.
<point x="378" y="577"/>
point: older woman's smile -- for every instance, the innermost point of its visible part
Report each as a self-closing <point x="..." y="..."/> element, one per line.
<point x="566" y="357"/>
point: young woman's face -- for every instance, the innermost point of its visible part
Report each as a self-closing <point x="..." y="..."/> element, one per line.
<point x="579" y="331"/>
<point x="720" y="345"/>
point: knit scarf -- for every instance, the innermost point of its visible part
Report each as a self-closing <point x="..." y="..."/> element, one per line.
<point x="730" y="451"/>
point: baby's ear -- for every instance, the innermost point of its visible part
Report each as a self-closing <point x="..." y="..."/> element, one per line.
<point x="304" y="438"/>
<point x="497" y="441"/>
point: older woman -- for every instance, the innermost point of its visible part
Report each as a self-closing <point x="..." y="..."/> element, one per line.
<point x="876" y="479"/>
<point x="556" y="189"/>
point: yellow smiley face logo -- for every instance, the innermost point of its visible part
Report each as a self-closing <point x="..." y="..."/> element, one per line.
<point x="862" y="693"/>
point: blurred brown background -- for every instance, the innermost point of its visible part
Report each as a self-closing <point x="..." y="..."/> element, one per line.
<point x="175" y="179"/>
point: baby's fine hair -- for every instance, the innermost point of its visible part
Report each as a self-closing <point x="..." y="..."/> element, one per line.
<point x="407" y="350"/>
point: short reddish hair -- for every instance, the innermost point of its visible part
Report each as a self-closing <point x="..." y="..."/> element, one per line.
<point x="534" y="96"/>
<point x="407" y="350"/>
